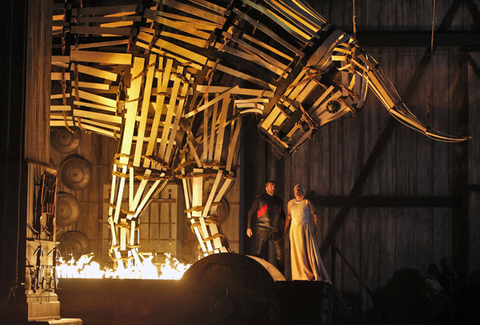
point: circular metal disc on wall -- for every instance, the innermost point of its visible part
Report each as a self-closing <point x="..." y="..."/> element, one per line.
<point x="76" y="173"/>
<point x="74" y="243"/>
<point x="67" y="209"/>
<point x="65" y="141"/>
<point x="220" y="212"/>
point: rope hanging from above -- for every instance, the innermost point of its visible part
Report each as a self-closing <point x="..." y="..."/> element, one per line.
<point x="432" y="69"/>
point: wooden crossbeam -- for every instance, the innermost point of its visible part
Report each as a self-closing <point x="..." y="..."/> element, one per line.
<point x="104" y="31"/>
<point x="224" y="95"/>
<point x="221" y="130"/>
<point x="287" y="26"/>
<point x="98" y="116"/>
<point x="269" y="32"/>
<point x="162" y="79"/>
<point x="101" y="57"/>
<point x="96" y="106"/>
<point x="178" y="116"/>
<point x="94" y="97"/>
<point x="195" y="11"/>
<point x="169" y="117"/>
<point x="131" y="110"/>
<point x="144" y="110"/>
<point x="107" y="75"/>
<point x="139" y="192"/>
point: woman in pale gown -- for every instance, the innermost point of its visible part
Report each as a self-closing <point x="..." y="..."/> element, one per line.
<point x="306" y="263"/>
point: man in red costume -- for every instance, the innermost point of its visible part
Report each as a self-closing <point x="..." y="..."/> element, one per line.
<point x="269" y="216"/>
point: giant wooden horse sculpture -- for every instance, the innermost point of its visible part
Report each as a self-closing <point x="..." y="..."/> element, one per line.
<point x="171" y="81"/>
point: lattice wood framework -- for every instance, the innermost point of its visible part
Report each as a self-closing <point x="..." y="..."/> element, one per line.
<point x="171" y="82"/>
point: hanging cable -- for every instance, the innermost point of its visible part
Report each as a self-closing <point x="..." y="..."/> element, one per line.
<point x="354" y="18"/>
<point x="432" y="66"/>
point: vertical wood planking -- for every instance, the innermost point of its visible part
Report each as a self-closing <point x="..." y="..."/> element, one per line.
<point x="37" y="81"/>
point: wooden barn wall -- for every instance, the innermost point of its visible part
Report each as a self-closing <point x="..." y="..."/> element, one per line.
<point x="473" y="188"/>
<point x="37" y="80"/>
<point x="385" y="240"/>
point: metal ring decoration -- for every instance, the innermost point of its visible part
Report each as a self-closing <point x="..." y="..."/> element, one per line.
<point x="67" y="210"/>
<point x="74" y="243"/>
<point x="64" y="141"/>
<point x="76" y="173"/>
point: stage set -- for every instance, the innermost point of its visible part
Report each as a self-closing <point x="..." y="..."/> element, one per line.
<point x="152" y="106"/>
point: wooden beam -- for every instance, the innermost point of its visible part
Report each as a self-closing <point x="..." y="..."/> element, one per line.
<point x="418" y="38"/>
<point x="387" y="201"/>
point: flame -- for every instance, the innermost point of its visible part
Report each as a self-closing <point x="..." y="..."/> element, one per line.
<point x="139" y="267"/>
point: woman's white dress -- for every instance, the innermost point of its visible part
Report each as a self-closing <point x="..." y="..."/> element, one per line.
<point x="305" y="258"/>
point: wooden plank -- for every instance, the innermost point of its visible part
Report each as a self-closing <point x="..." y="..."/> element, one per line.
<point x="267" y="47"/>
<point x="168" y="118"/>
<point x="131" y="110"/>
<point x="93" y="85"/>
<point x="107" y="10"/>
<point x="307" y="10"/>
<point x="237" y="91"/>
<point x="210" y="5"/>
<point x="147" y="197"/>
<point x="170" y="55"/>
<point x="116" y="25"/>
<point x="138" y="194"/>
<point x="245" y="76"/>
<point x="178" y="116"/>
<point x="255" y="51"/>
<point x="288" y="27"/>
<point x="163" y="79"/>
<point x="212" y="133"/>
<point x="223" y="190"/>
<point x="206" y="118"/>
<point x="233" y="147"/>
<point x="100" y="44"/>
<point x="251" y="57"/>
<point x="219" y="19"/>
<point x="100" y="131"/>
<point x="211" y="102"/>
<point x="193" y="148"/>
<point x="98" y="116"/>
<point x="195" y="23"/>
<point x="301" y="19"/>
<point x="96" y="106"/>
<point x="268" y="121"/>
<point x="103" y="31"/>
<point x="306" y="91"/>
<point x="101" y="57"/>
<point x="131" y="186"/>
<point x="189" y="28"/>
<point x="107" y="75"/>
<point x="269" y="32"/>
<point x="58" y="76"/>
<point x="163" y="44"/>
<point x="119" y="195"/>
<point x="186" y="39"/>
<point x="221" y="130"/>
<point x="59" y="96"/>
<point x="94" y="98"/>
<point x="197" y="200"/>
<point x="144" y="110"/>
<point x="213" y="190"/>
<point x="60" y="108"/>
<point x="105" y="19"/>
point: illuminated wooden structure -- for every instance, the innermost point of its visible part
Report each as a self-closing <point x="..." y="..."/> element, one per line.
<point x="171" y="83"/>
